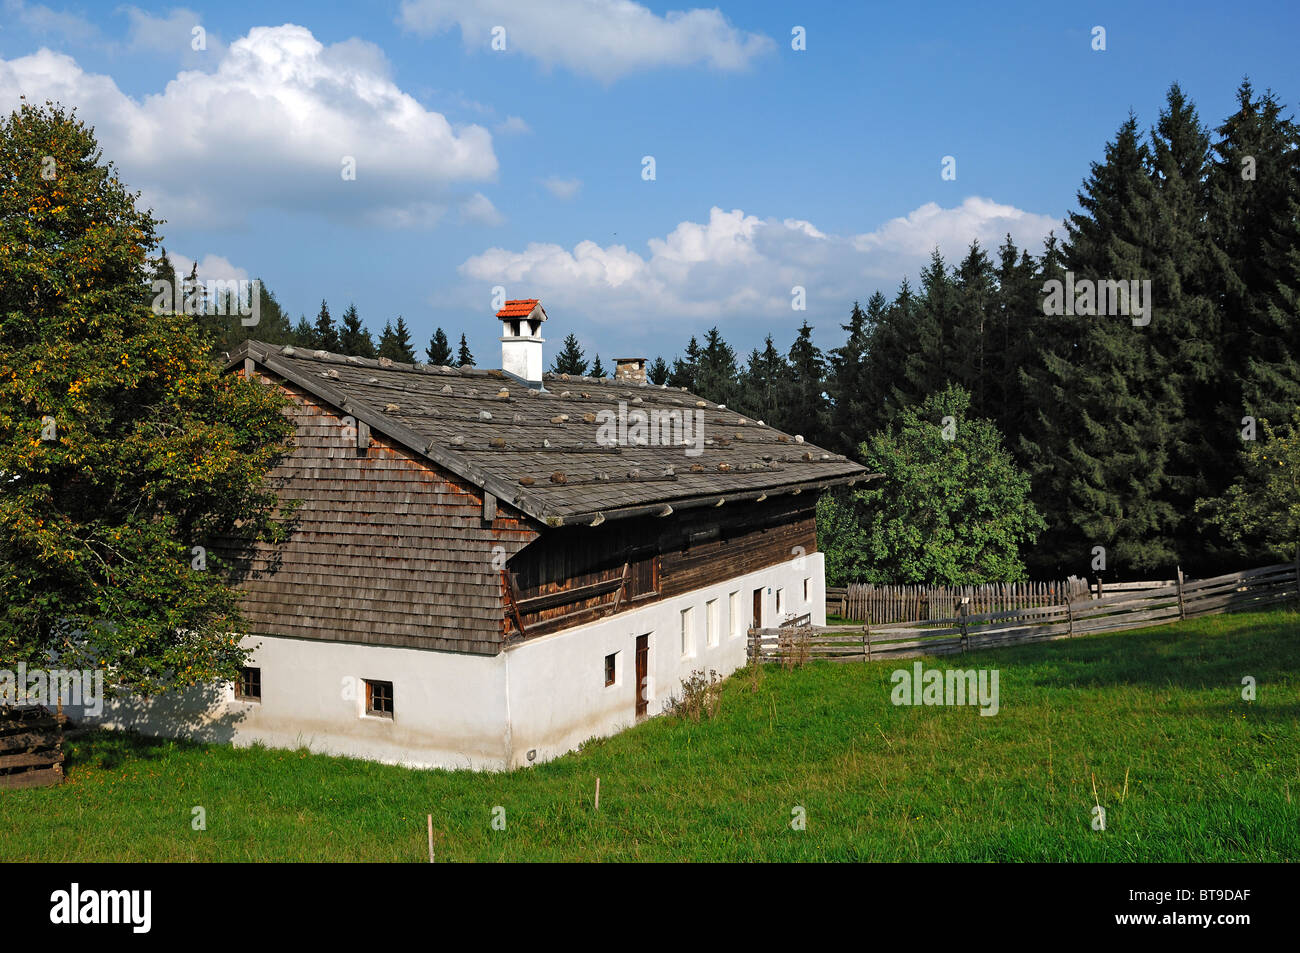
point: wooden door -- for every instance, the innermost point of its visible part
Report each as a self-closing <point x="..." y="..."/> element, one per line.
<point x="758" y="608"/>
<point x="642" y="674"/>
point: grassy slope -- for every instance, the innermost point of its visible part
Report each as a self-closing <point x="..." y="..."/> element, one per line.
<point x="1210" y="777"/>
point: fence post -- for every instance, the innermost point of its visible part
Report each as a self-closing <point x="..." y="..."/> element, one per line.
<point x="1069" y="615"/>
<point x="965" y="635"/>
<point x="1182" y="612"/>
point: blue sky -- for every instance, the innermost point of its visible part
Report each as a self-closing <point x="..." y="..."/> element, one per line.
<point x="523" y="167"/>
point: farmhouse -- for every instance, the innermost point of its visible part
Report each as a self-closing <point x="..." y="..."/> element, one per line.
<point x="489" y="567"/>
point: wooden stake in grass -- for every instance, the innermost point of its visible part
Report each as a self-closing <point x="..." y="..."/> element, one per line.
<point x="430" y="838"/>
<point x="598" y="794"/>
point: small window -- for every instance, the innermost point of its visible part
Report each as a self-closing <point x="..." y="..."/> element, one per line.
<point x="611" y="668"/>
<point x="733" y="614"/>
<point x="711" y="622"/>
<point x="379" y="698"/>
<point x="249" y="686"/>
<point x="807" y="588"/>
<point x="780" y="602"/>
<point x="688" y="632"/>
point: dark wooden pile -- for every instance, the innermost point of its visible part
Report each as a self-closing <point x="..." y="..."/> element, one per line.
<point x="31" y="747"/>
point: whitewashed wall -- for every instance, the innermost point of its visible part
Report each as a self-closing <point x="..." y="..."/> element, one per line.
<point x="542" y="697"/>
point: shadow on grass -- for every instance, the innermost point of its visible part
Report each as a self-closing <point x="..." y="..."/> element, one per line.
<point x="1200" y="653"/>
<point x="104" y="748"/>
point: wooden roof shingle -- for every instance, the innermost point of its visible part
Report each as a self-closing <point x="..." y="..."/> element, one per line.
<point x="544" y="450"/>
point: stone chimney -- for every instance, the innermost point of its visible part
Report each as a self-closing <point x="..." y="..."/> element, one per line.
<point x="630" y="369"/>
<point x="521" y="339"/>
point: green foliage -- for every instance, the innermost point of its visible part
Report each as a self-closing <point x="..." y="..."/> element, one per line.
<point x="1260" y="512"/>
<point x="354" y="339"/>
<point x="439" y="350"/>
<point x="122" y="446"/>
<point x="570" y="359"/>
<point x="949" y="510"/>
<point x="463" y="356"/>
<point x="395" y="342"/>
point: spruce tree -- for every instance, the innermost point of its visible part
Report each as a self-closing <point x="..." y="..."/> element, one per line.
<point x="658" y="371"/>
<point x="1254" y="185"/>
<point x="970" y="357"/>
<point x="850" y="416"/>
<point x="304" y="335"/>
<point x="395" y="342"/>
<point x="463" y="356"/>
<point x="354" y="339"/>
<point x="1112" y="473"/>
<point x="597" y="369"/>
<point x="324" y="333"/>
<point x="684" y="370"/>
<point x="763" y="385"/>
<point x="439" y="350"/>
<point x="569" y="360"/>
<point x="715" y="375"/>
<point x="806" y="402"/>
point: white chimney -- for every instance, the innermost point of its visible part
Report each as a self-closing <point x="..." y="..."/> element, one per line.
<point x="521" y="339"/>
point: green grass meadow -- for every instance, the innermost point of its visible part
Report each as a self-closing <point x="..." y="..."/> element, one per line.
<point x="1184" y="767"/>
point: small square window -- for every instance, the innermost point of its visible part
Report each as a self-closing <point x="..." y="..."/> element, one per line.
<point x="249" y="686"/>
<point x="611" y="668"/>
<point x="379" y="698"/>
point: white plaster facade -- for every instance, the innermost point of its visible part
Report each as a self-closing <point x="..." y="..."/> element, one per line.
<point x="534" y="701"/>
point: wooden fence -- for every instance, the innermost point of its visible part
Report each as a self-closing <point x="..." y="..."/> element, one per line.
<point x="1116" y="610"/>
<point x="879" y="604"/>
<point x="31" y="747"/>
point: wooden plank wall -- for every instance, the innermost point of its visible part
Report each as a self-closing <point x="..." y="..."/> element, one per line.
<point x="388" y="550"/>
<point x="693" y="549"/>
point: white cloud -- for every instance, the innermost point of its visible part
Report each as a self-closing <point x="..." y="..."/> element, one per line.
<point x="172" y="35"/>
<point x="604" y="38"/>
<point x="512" y="126"/>
<point x="742" y="266"/>
<point x="40" y="20"/>
<point x="271" y="126"/>
<point x="562" y="188"/>
<point x="211" y="268"/>
<point x="479" y="210"/>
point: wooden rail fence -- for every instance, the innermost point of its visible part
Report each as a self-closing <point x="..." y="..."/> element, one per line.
<point x="967" y="629"/>
<point x="31" y="747"/>
<point x="877" y="604"/>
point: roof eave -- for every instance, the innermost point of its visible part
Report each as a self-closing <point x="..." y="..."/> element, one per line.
<point x="668" y="507"/>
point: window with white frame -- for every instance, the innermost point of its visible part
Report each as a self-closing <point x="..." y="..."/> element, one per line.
<point x="688" y="632"/>
<point x="807" y="590"/>
<point x="711" y="622"/>
<point x="734" y="620"/>
<point x="780" y="603"/>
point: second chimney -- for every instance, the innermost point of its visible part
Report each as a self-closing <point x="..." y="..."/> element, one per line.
<point x="630" y="369"/>
<point x="521" y="339"/>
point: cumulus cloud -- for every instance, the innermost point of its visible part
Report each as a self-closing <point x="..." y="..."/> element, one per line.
<point x="211" y="267"/>
<point x="562" y="188"/>
<point x="277" y="123"/>
<point x="739" y="265"/>
<point x="602" y="38"/>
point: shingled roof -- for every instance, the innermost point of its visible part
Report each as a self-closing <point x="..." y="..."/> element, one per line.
<point x="537" y="449"/>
